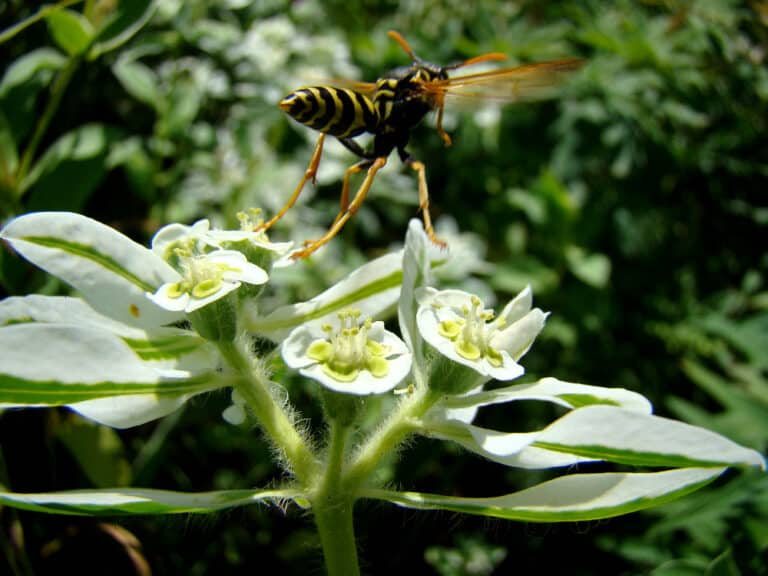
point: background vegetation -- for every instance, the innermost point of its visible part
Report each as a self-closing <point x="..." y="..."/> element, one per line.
<point x="635" y="204"/>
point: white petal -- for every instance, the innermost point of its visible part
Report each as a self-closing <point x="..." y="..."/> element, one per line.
<point x="162" y="299"/>
<point x="234" y="414"/>
<point x="518" y="306"/>
<point x="509" y="369"/>
<point x="294" y="349"/>
<point x="224" y="289"/>
<point x="249" y="273"/>
<point x="518" y="337"/>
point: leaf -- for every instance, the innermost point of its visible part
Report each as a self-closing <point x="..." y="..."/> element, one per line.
<point x="169" y="348"/>
<point x="416" y="274"/>
<point x="124" y="501"/>
<point x="21" y="85"/>
<point x="601" y="432"/>
<point x="64" y="177"/>
<point x="126" y="19"/>
<point x="80" y="363"/>
<point x="93" y="372"/>
<point x="71" y="31"/>
<point x="568" y="498"/>
<point x="139" y="81"/>
<point x="567" y="394"/>
<point x="112" y="272"/>
<point x="99" y="451"/>
<point x="592" y="269"/>
<point x="372" y="288"/>
<point x="620" y="435"/>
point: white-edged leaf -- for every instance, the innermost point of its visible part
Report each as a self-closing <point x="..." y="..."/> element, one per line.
<point x="510" y="449"/>
<point x="568" y="498"/>
<point x="567" y="394"/>
<point x="620" y="435"/>
<point x="124" y="501"/>
<point x="111" y="271"/>
<point x="372" y="288"/>
<point x="57" y="364"/>
<point x="600" y="433"/>
<point x="169" y="348"/>
<point x="416" y="274"/>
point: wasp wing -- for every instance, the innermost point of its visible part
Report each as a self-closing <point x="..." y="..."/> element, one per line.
<point x="521" y="83"/>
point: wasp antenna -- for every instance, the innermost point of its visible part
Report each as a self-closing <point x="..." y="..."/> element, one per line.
<point x="478" y="59"/>
<point x="397" y="37"/>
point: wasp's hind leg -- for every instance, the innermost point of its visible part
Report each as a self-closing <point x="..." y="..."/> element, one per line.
<point x="348" y="209"/>
<point x="424" y="200"/>
<point x="309" y="174"/>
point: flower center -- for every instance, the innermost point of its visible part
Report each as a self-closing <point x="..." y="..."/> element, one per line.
<point x="201" y="277"/>
<point x="344" y="353"/>
<point x="471" y="332"/>
<point x="251" y="221"/>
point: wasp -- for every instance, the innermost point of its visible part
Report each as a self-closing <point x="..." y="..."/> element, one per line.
<point x="389" y="109"/>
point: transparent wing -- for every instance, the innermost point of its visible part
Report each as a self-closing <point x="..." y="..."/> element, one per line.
<point x="521" y="83"/>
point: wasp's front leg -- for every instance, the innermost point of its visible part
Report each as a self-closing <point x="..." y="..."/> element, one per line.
<point x="309" y="174"/>
<point x="348" y="211"/>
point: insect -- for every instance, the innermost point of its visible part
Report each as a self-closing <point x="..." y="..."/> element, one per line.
<point x="389" y="109"/>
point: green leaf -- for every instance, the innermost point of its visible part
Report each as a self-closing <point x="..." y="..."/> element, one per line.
<point x="65" y="176"/>
<point x="124" y="501"/>
<point x="568" y="498"/>
<point x="139" y="81"/>
<point x="9" y="158"/>
<point x="71" y="31"/>
<point x="126" y="19"/>
<point x="98" y="450"/>
<point x="111" y="271"/>
<point x="21" y="85"/>
<point x="592" y="269"/>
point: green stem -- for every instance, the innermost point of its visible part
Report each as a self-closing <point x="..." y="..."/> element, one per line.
<point x="57" y="92"/>
<point x="387" y="438"/>
<point x="333" y="509"/>
<point x="273" y="418"/>
<point x="337" y="535"/>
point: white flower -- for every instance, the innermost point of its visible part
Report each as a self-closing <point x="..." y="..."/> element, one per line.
<point x="458" y="325"/>
<point x="235" y="413"/>
<point x="249" y="231"/>
<point x="191" y="239"/>
<point x="201" y="238"/>
<point x="353" y="357"/>
<point x="206" y="278"/>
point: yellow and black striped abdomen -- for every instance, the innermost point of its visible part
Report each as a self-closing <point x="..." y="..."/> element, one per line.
<point x="336" y="111"/>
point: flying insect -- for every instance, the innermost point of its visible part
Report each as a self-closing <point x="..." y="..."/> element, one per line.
<point x="389" y="109"/>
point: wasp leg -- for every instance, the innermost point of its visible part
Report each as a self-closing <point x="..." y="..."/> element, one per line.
<point x="368" y="159"/>
<point x="424" y="201"/>
<point x="310" y="174"/>
<point x="442" y="133"/>
<point x="373" y="167"/>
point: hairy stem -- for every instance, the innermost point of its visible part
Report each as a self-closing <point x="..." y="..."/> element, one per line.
<point x="275" y="421"/>
<point x="333" y="509"/>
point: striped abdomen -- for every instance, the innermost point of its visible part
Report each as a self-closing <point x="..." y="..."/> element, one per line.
<point x="336" y="111"/>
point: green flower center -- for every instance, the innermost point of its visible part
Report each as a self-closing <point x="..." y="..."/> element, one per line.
<point x="471" y="333"/>
<point x="200" y="277"/>
<point x="344" y="353"/>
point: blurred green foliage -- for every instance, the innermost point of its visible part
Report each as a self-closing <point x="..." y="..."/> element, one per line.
<point x="633" y="204"/>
